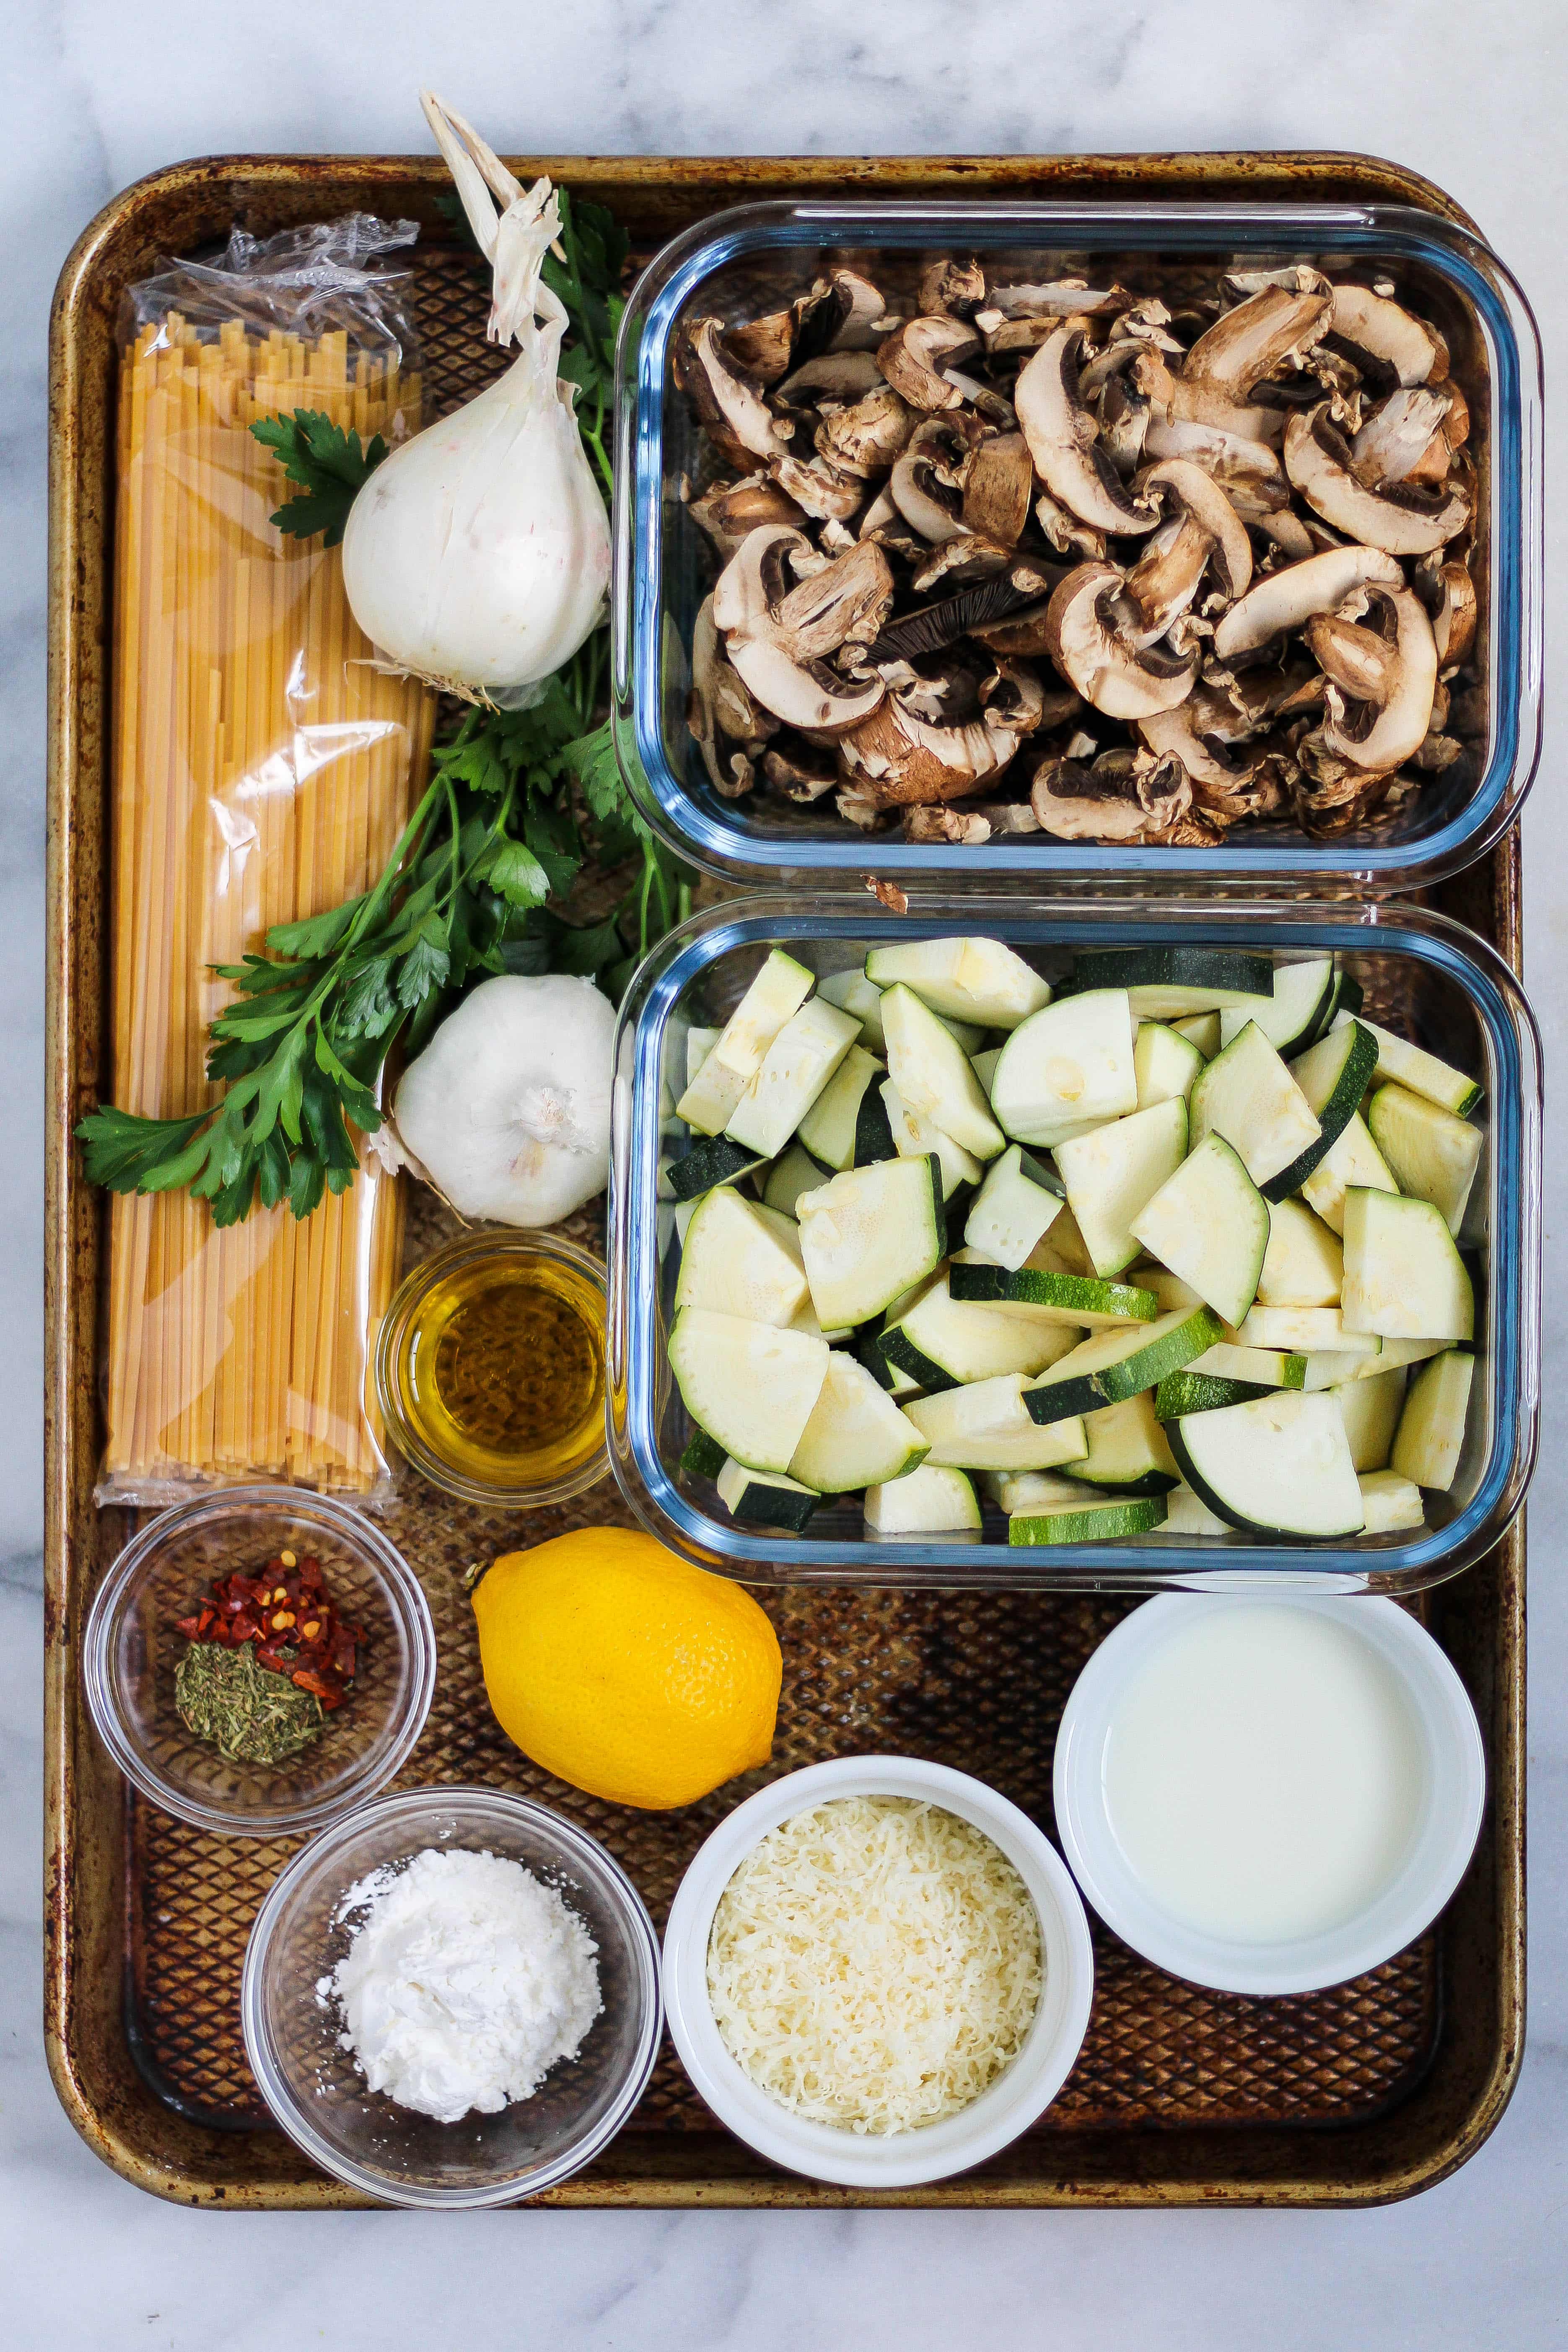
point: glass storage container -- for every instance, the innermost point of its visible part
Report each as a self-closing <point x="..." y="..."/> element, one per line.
<point x="1422" y="975"/>
<point x="753" y="261"/>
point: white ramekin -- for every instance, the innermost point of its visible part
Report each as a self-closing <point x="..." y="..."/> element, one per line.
<point x="1453" y="1801"/>
<point x="1019" y="2096"/>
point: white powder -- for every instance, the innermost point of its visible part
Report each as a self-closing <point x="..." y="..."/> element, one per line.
<point x="466" y="1982"/>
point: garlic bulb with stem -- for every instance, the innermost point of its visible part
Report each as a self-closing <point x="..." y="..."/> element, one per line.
<point x="478" y="554"/>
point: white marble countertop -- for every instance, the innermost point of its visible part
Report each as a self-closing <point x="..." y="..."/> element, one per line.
<point x="101" y="93"/>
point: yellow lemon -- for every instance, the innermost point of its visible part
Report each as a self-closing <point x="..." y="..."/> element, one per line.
<point x="626" y="1670"/>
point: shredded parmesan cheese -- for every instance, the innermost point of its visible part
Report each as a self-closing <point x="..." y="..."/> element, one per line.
<point x="875" y="1963"/>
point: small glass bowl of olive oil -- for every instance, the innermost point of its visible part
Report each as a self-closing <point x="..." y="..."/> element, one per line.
<point x="489" y="1367"/>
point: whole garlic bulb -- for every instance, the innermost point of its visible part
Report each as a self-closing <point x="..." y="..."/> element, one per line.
<point x="478" y="554"/>
<point x="507" y="1110"/>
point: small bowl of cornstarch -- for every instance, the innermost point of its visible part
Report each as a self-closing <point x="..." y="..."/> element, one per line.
<point x="877" y="1972"/>
<point x="451" y="1998"/>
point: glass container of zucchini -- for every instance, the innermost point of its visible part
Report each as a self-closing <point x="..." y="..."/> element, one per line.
<point x="1127" y="1248"/>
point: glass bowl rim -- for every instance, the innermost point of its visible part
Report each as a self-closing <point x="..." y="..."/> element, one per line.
<point x="390" y="1336"/>
<point x="405" y="1597"/>
<point x="597" y="1862"/>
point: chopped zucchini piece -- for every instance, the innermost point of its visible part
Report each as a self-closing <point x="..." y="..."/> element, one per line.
<point x="1247" y="1095"/>
<point x="870" y="1234"/>
<point x="1067" y="1069"/>
<point x="793" y="1172"/>
<point x="1403" y="1278"/>
<point x="1351" y="1158"/>
<point x="712" y="1098"/>
<point x="1293" y="1013"/>
<point x="1422" y="1073"/>
<point x="926" y="1502"/>
<point x="1164" y="1063"/>
<point x="1016" y="1207"/>
<point x="1210" y="1224"/>
<point x="1304" y="1331"/>
<point x="714" y="1160"/>
<point x="1202" y="1030"/>
<point x="1303" y="1265"/>
<point x="1277" y="1467"/>
<point x="845" y="1127"/>
<point x="1170" y="983"/>
<point x="1333" y="1075"/>
<point x="1432" y="1155"/>
<point x="1038" y="1291"/>
<point x="1090" y="1523"/>
<point x="989" y="1426"/>
<point x="1190" y="1390"/>
<point x="700" y="1043"/>
<point x="1112" y="1174"/>
<point x="1370" y="1411"/>
<point x="915" y="1137"/>
<point x="941" y="1343"/>
<point x="1032" y="1490"/>
<point x="1391" y="1504"/>
<point x="741" y="1259"/>
<point x="773" y="998"/>
<point x="748" y="1386"/>
<point x="979" y="980"/>
<point x="766" y="1498"/>
<point x="1431" y="1434"/>
<point x="1116" y="1364"/>
<point x="795" y="1070"/>
<point x="933" y="1076"/>
<point x="704" y="1456"/>
<point x="1128" y="1453"/>
<point x="856" y="1437"/>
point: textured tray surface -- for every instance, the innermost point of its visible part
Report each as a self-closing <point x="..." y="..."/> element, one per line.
<point x="1180" y="2094"/>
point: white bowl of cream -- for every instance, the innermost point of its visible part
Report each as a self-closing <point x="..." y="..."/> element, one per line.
<point x="1265" y="1793"/>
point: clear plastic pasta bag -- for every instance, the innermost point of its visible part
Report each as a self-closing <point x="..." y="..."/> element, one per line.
<point x="263" y="767"/>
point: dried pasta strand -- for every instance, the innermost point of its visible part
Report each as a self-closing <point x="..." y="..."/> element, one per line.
<point x="262" y="771"/>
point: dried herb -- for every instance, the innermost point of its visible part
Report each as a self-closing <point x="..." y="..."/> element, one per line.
<point x="252" y="1716"/>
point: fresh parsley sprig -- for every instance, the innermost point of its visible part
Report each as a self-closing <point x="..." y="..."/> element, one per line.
<point x="517" y="805"/>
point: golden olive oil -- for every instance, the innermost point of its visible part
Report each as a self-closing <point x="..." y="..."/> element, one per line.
<point x="503" y="1370"/>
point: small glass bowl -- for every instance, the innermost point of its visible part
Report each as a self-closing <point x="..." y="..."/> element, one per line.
<point x="312" y="2086"/>
<point x="397" y="1346"/>
<point x="130" y="1649"/>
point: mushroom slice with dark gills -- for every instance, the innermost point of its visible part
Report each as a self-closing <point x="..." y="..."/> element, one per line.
<point x="866" y="436"/>
<point x="843" y="313"/>
<point x="722" y="711"/>
<point x="1061" y="436"/>
<point x="1226" y="786"/>
<point x="1014" y="698"/>
<point x="1284" y="600"/>
<point x="926" y="483"/>
<point x="819" y="488"/>
<point x="731" y="408"/>
<point x="757" y="598"/>
<point x="1248" y="472"/>
<point x="1397" y="434"/>
<point x="898" y="759"/>
<point x="730" y="512"/>
<point x="1449" y="596"/>
<point x="1119" y="798"/>
<point x="1091" y="636"/>
<point x="1265" y="336"/>
<point x="842" y="376"/>
<point x="1376" y="729"/>
<point x="1376" y="330"/>
<point x="1181" y="399"/>
<point x="956" y="289"/>
<point x="1201" y="532"/>
<point x="1400" y="519"/>
<point x="914" y="360"/>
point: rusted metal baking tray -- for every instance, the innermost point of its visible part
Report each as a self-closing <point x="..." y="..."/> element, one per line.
<point x="1181" y="2096"/>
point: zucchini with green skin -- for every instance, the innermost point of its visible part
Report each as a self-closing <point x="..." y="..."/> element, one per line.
<point x="704" y="1457"/>
<point x="1038" y="1291"/>
<point x="989" y="1426"/>
<point x="870" y="1234"/>
<point x="856" y="1437"/>
<point x="846" y="1126"/>
<point x="1351" y="1158"/>
<point x="743" y="1259"/>
<point x="1170" y="983"/>
<point x="793" y="1072"/>
<point x="1164" y="1063"/>
<point x="1116" y="1364"/>
<point x="1128" y="1453"/>
<point x="1067" y="1069"/>
<point x="979" y="980"/>
<point x="1404" y="1279"/>
<point x="1432" y="1155"/>
<point x="1247" y="1095"/>
<point x="715" y="1160"/>
<point x="944" y="1343"/>
<point x="765" y="1498"/>
<point x="1209" y="1224"/>
<point x="933" y="1076"/>
<point x="1333" y="1076"/>
<point x="1265" y="1368"/>
<point x="1111" y="1175"/>
<point x="774" y="996"/>
<point x="1016" y="1206"/>
<point x="1294" y="1013"/>
<point x="1032" y="1490"/>
<point x="1422" y="1073"/>
<point x="897" y="1384"/>
<point x="1277" y="1467"/>
<point x="1431" y="1433"/>
<point x="1188" y="1391"/>
<point x="1106" y="1522"/>
<point x="750" y="1387"/>
<point x="927" y="1502"/>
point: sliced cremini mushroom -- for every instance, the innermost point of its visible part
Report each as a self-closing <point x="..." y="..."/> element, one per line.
<point x="1331" y="797"/>
<point x="1201" y="532"/>
<point x="956" y="288"/>
<point x="1397" y="434"/>
<point x="843" y="313"/>
<point x="1012" y="698"/>
<point x="1199" y="734"/>
<point x="1063" y="298"/>
<point x="915" y="359"/>
<point x="1089" y="636"/>
<point x="762" y="348"/>
<point x="729" y="511"/>
<point x="1296" y="278"/>
<point x="1064" y="531"/>
<point x="755" y="602"/>
<point x="1380" y="734"/>
<point x="1248" y="472"/>
<point x="1287" y="532"/>
<point x="798" y="770"/>
<point x="1112" y="801"/>
<point x="965" y="826"/>
<point x="1124" y="416"/>
<point x="1285" y="599"/>
<point x="803" y="694"/>
<point x="898" y="757"/>
<point x="832" y="375"/>
<point x="727" y="403"/>
<point x="1360" y="662"/>
<point x="1265" y="336"/>
<point x="866" y="436"/>
<point x="960" y="562"/>
<point x="821" y="489"/>
<point x="1449" y="596"/>
<point x="1060" y="433"/>
<point x="1383" y="331"/>
<point x="986" y="401"/>
<point x="998" y="485"/>
<point x="1402" y="519"/>
<point x="927" y="479"/>
<point x="1181" y="399"/>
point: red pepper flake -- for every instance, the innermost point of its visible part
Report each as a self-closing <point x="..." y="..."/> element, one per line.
<point x="288" y="1614"/>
